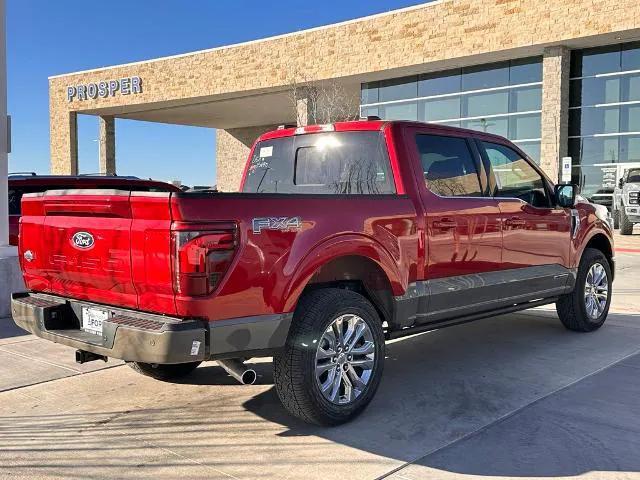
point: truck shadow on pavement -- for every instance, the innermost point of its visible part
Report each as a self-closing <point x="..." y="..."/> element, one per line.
<point x="511" y="396"/>
<point x="521" y="397"/>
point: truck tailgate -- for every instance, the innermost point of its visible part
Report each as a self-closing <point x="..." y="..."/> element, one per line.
<point x="80" y="244"/>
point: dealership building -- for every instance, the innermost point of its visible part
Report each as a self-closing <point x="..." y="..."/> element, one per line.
<point x="559" y="78"/>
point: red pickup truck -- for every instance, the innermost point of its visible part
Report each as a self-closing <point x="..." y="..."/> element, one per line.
<point x="342" y="236"/>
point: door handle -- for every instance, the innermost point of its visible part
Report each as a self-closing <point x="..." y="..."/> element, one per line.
<point x="515" y="222"/>
<point x="445" y="224"/>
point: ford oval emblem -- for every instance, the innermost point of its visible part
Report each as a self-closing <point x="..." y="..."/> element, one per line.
<point x="82" y="240"/>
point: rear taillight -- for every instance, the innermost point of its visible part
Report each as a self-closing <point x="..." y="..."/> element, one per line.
<point x="201" y="257"/>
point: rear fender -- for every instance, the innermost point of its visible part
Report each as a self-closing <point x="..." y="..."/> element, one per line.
<point x="334" y="248"/>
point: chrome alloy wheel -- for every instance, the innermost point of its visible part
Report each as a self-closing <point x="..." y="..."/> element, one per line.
<point x="596" y="291"/>
<point x="345" y="359"/>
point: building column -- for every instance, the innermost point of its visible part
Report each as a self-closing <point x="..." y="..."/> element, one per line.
<point x="107" y="139"/>
<point x="306" y="106"/>
<point x="232" y="152"/>
<point x="4" y="140"/>
<point x="556" y="65"/>
<point x="63" y="129"/>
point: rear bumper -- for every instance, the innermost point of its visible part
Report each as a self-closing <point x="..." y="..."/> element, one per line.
<point x="141" y="337"/>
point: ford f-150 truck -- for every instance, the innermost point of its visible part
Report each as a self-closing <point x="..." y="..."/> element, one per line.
<point x="626" y="201"/>
<point x="342" y="236"/>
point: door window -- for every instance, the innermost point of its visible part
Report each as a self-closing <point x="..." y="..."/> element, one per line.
<point x="448" y="166"/>
<point x="515" y="177"/>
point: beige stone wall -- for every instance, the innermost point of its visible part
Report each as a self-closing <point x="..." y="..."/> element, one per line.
<point x="107" y="138"/>
<point x="555" y="109"/>
<point x="232" y="151"/>
<point x="432" y="37"/>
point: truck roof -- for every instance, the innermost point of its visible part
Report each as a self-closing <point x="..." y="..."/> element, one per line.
<point x="372" y="125"/>
<point x="32" y="179"/>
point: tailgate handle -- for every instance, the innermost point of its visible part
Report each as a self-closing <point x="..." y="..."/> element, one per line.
<point x="120" y="209"/>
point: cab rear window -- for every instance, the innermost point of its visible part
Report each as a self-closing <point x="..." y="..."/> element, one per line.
<point x="332" y="163"/>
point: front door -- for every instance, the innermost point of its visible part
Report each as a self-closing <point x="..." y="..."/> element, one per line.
<point x="463" y="235"/>
<point x="536" y="233"/>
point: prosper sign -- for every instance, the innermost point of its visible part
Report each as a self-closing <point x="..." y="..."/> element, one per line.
<point x="104" y="89"/>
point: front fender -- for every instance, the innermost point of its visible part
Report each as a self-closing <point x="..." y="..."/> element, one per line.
<point x="336" y="247"/>
<point x="586" y="235"/>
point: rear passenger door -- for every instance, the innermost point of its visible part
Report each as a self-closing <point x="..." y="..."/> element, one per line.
<point x="536" y="233"/>
<point x="463" y="235"/>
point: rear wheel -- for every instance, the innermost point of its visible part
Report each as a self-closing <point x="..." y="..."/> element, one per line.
<point x="164" y="371"/>
<point x="330" y="367"/>
<point x="586" y="308"/>
<point x="626" y="227"/>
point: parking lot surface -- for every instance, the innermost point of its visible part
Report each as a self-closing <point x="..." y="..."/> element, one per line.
<point x="514" y="396"/>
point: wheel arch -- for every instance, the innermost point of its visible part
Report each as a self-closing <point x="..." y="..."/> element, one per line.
<point x="353" y="262"/>
<point x="601" y="242"/>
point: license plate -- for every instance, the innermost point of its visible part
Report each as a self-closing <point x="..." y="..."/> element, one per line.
<point x="92" y="319"/>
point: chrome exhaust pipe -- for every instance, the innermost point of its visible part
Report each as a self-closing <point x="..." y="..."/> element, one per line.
<point x="238" y="370"/>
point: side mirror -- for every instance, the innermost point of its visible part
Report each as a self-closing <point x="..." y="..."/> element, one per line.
<point x="621" y="183"/>
<point x="566" y="195"/>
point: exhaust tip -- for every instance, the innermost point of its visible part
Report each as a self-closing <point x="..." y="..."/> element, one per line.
<point x="249" y="377"/>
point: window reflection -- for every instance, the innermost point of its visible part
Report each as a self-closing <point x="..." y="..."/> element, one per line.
<point x="483" y="97"/>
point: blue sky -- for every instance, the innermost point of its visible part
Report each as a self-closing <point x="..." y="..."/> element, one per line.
<point x="47" y="37"/>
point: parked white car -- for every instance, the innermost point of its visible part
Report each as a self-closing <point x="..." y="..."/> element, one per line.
<point x="626" y="202"/>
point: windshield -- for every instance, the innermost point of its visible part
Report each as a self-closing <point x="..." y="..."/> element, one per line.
<point x="634" y="176"/>
<point x="321" y="163"/>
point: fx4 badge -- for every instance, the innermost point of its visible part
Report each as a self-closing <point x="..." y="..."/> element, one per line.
<point x="285" y="224"/>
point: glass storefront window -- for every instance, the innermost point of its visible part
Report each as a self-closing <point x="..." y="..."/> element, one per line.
<point x="605" y="113"/>
<point x="594" y="150"/>
<point x="524" y="126"/>
<point x="498" y="126"/>
<point x="399" y="111"/>
<point x="630" y="56"/>
<point x="439" y="109"/>
<point x="369" y="111"/>
<point x="488" y="98"/>
<point x="369" y="92"/>
<point x="485" y="76"/>
<point x="489" y="103"/>
<point x="527" y="70"/>
<point x="398" y="89"/>
<point x="440" y="83"/>
<point x="532" y="149"/>
<point x="630" y="148"/>
<point x="593" y="61"/>
<point x="525" y="99"/>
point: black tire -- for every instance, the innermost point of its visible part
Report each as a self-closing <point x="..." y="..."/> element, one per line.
<point x="571" y="307"/>
<point x="616" y="219"/>
<point x="164" y="371"/>
<point x="626" y="227"/>
<point x="294" y="367"/>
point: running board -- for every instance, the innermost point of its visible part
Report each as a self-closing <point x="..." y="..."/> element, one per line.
<point x="467" y="318"/>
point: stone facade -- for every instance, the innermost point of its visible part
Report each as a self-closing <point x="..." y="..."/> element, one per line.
<point x="434" y="36"/>
<point x="556" y="66"/>
<point x="232" y="150"/>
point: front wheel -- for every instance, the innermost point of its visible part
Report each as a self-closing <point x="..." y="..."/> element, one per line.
<point x="586" y="308"/>
<point x="626" y="226"/>
<point x="616" y="219"/>
<point x="330" y="367"/>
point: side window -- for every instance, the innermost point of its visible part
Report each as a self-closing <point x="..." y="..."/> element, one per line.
<point x="448" y="166"/>
<point x="515" y="177"/>
<point x="15" y="196"/>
